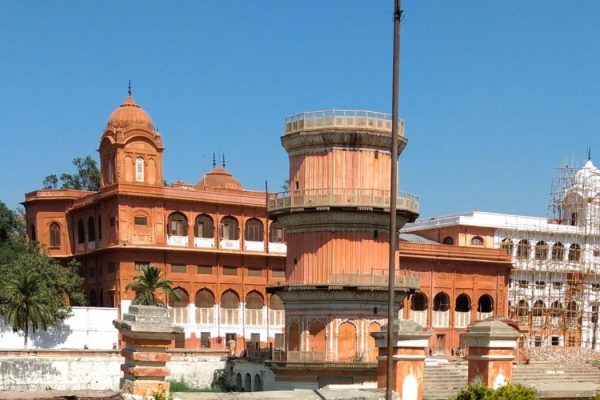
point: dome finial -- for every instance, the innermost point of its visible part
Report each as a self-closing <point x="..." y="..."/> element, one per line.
<point x="589" y="153"/>
<point x="214" y="161"/>
<point x="223" y="160"/>
<point x="129" y="88"/>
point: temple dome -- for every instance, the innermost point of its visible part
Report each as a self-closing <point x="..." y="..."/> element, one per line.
<point x="219" y="178"/>
<point x="128" y="114"/>
<point x="587" y="180"/>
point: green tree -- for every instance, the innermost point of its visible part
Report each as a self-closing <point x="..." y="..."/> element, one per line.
<point x="27" y="304"/>
<point x="12" y="224"/>
<point x="87" y="176"/>
<point x="147" y="284"/>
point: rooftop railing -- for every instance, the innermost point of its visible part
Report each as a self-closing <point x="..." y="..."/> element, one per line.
<point x="340" y="119"/>
<point x="373" y="198"/>
<point x="401" y="281"/>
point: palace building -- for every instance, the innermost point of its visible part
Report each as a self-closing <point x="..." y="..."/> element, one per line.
<point x="212" y="239"/>
<point x="236" y="257"/>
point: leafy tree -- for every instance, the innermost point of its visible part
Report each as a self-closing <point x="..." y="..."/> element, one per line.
<point x="86" y="178"/>
<point x="27" y="304"/>
<point x="50" y="182"/>
<point x="52" y="286"/>
<point x="147" y="284"/>
<point x="12" y="224"/>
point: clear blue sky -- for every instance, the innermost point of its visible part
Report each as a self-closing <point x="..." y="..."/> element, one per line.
<point x="495" y="95"/>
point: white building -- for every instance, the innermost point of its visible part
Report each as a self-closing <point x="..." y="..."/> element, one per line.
<point x="554" y="290"/>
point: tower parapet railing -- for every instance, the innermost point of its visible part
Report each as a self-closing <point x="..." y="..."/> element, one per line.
<point x="358" y="279"/>
<point x="361" y="119"/>
<point x="340" y="197"/>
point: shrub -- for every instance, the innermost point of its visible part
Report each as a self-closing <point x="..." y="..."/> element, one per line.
<point x="515" y="392"/>
<point x="476" y="392"/>
<point x="506" y="392"/>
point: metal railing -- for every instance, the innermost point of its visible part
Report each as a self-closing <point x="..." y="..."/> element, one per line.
<point x="373" y="280"/>
<point x="342" y="198"/>
<point x="340" y="119"/>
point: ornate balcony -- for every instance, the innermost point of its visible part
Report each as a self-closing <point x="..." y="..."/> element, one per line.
<point x="342" y="198"/>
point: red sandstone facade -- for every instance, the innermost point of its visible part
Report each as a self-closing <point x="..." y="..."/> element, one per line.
<point x="458" y="285"/>
<point x="212" y="240"/>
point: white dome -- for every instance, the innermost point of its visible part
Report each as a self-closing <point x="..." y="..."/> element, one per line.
<point x="587" y="181"/>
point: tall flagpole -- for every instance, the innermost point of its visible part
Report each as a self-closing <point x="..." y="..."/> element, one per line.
<point x="393" y="197"/>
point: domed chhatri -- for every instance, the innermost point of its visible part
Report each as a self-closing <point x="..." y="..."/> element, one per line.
<point x="219" y="178"/>
<point x="129" y="114"/>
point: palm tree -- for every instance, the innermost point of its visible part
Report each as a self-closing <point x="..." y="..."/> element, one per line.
<point x="27" y="304"/>
<point x="147" y="284"/>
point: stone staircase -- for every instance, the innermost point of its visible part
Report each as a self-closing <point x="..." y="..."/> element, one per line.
<point x="445" y="381"/>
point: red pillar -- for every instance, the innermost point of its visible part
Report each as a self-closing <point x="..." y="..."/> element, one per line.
<point x="491" y="348"/>
<point x="408" y="358"/>
<point x="147" y="332"/>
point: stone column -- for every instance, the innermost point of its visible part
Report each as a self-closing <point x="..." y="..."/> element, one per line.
<point x="147" y="332"/>
<point x="491" y="348"/>
<point x="409" y="355"/>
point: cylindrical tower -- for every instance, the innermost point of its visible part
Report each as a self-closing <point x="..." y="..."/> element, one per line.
<point x="336" y="213"/>
<point x="336" y="210"/>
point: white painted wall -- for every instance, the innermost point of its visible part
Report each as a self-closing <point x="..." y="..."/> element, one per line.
<point x="87" y="327"/>
<point x="78" y="371"/>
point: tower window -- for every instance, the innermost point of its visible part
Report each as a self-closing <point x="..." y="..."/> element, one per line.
<point x="139" y="170"/>
<point x="54" y="235"/>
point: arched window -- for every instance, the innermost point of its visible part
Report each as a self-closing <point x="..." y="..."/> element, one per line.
<point x="177" y="225"/>
<point x="101" y="298"/>
<point x="230" y="308"/>
<point x="91" y="229"/>
<point x="448" y="240"/>
<point x="541" y="250"/>
<point x="523" y="312"/>
<point x="276" y="311"/>
<point x="254" y="306"/>
<point x="462" y="311"/>
<point x="575" y="252"/>
<point x="294" y="337"/>
<point x="556" y="310"/>
<point x="537" y="313"/>
<point x="558" y="251"/>
<point x="205" y="304"/>
<point x="507" y="245"/>
<point x="571" y="314"/>
<point x="485" y="307"/>
<point x="418" y="308"/>
<point x="179" y="306"/>
<point x="523" y="249"/>
<point x="254" y="230"/>
<point x="229" y="229"/>
<point x="441" y="310"/>
<point x="80" y="232"/>
<point x="477" y="241"/>
<point x="33" y="236"/>
<point x="92" y="298"/>
<point x="139" y="169"/>
<point x="54" y="235"/>
<point x="276" y="235"/>
<point x="204" y="227"/>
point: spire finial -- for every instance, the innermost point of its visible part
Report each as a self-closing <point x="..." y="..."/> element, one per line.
<point x="129" y="88"/>
<point x="214" y="161"/>
<point x="223" y="160"/>
<point x="589" y="153"/>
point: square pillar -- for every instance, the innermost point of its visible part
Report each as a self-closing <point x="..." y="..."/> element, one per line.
<point x="410" y="344"/>
<point x="147" y="332"/>
<point x="491" y="348"/>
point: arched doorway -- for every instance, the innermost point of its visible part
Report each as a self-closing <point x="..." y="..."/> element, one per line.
<point x="346" y="343"/>
<point x="316" y="340"/>
<point x="372" y="350"/>
<point x="294" y="337"/>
